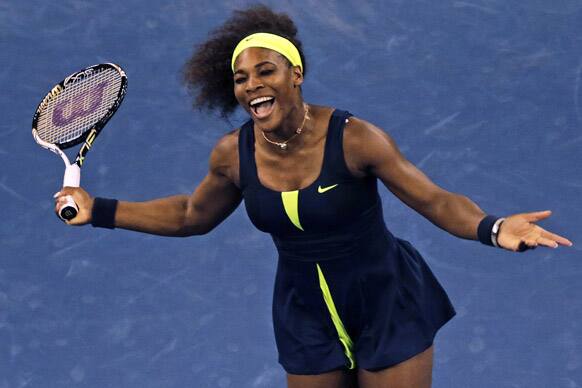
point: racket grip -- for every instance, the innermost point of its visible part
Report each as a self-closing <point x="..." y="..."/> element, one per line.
<point x="69" y="210"/>
<point x="72" y="178"/>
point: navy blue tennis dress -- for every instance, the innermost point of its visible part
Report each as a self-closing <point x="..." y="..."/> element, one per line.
<point x="348" y="294"/>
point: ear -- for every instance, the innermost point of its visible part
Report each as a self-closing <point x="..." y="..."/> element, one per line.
<point x="297" y="76"/>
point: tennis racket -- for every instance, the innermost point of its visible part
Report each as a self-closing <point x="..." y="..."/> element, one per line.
<point x="75" y="111"/>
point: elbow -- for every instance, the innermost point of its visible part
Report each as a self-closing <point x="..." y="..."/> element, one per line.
<point x="192" y="230"/>
<point x="191" y="224"/>
<point x="187" y="233"/>
<point x="191" y="233"/>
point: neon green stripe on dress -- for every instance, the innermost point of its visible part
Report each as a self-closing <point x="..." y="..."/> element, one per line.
<point x="291" y="205"/>
<point x="344" y="337"/>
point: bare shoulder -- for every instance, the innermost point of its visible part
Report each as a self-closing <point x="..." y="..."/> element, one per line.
<point x="224" y="157"/>
<point x="365" y="146"/>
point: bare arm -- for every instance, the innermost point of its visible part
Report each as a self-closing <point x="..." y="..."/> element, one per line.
<point x="181" y="215"/>
<point x="370" y="151"/>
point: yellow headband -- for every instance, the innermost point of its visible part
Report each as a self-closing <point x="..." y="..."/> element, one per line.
<point x="270" y="41"/>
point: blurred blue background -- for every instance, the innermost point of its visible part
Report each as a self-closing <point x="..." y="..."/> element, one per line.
<point x="483" y="95"/>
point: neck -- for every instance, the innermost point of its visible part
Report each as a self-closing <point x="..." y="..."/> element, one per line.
<point x="295" y="119"/>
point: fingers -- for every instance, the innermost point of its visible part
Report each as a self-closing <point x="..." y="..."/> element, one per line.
<point x="547" y="242"/>
<point x="66" y="191"/>
<point x="556" y="238"/>
<point x="61" y="202"/>
<point x="520" y="232"/>
<point x="533" y="243"/>
<point x="82" y="201"/>
<point x="537" y="216"/>
<point x="523" y="246"/>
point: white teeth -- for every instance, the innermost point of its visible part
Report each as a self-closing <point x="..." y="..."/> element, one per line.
<point x="260" y="99"/>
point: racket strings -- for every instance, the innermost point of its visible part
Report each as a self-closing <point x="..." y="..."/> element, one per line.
<point x="83" y="103"/>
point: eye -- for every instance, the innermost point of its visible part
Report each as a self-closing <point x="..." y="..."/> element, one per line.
<point x="239" y="80"/>
<point x="266" y="71"/>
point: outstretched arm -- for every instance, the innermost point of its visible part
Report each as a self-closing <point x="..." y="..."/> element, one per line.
<point x="181" y="215"/>
<point x="370" y="150"/>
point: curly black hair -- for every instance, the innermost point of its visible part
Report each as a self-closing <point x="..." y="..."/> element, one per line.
<point x="208" y="73"/>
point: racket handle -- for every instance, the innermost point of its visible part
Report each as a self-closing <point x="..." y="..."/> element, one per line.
<point x="69" y="209"/>
<point x="72" y="178"/>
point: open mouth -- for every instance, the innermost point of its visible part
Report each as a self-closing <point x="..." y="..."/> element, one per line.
<point x="262" y="106"/>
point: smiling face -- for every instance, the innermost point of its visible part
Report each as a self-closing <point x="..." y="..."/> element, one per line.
<point x="267" y="87"/>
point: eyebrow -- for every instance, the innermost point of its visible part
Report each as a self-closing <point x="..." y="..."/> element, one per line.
<point x="258" y="65"/>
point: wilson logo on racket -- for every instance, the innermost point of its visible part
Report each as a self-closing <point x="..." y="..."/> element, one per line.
<point x="67" y="111"/>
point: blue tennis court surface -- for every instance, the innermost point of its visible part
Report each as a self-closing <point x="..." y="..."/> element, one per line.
<point x="485" y="96"/>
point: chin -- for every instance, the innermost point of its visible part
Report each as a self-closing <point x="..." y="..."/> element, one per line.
<point x="273" y="122"/>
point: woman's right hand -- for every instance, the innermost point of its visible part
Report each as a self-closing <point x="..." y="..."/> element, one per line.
<point x="83" y="200"/>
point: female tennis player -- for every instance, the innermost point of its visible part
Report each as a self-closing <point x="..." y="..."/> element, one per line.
<point x="353" y="305"/>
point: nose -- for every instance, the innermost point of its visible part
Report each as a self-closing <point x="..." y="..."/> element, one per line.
<point x="253" y="84"/>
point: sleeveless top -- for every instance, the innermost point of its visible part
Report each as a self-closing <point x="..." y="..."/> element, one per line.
<point x="347" y="292"/>
<point x="336" y="216"/>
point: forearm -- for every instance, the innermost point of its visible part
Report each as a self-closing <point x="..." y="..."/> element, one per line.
<point x="455" y="214"/>
<point x="164" y="216"/>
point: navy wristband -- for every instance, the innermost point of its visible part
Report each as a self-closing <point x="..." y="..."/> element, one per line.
<point x="103" y="213"/>
<point x="485" y="228"/>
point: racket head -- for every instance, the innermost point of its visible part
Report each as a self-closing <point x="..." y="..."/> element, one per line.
<point x="80" y="104"/>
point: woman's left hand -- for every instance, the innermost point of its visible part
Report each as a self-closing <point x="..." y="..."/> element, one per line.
<point x="519" y="233"/>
